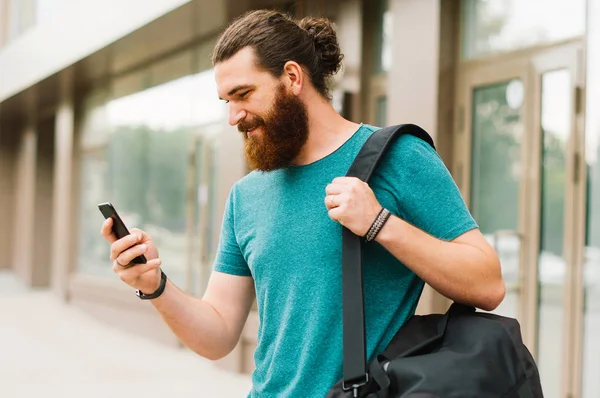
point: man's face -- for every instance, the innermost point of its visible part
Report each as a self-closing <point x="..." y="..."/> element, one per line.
<point x="273" y="121"/>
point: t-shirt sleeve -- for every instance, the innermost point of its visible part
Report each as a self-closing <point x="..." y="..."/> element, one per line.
<point x="229" y="258"/>
<point x="427" y="196"/>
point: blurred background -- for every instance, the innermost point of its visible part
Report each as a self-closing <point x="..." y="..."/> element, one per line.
<point x="116" y="101"/>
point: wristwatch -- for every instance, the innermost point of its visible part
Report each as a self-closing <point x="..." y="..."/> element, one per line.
<point x="158" y="292"/>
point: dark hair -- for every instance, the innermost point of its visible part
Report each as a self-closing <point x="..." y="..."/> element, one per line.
<point x="276" y="38"/>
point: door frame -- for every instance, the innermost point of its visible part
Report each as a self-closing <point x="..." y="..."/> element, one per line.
<point x="488" y="74"/>
<point x="569" y="56"/>
<point x="528" y="66"/>
<point x="199" y="192"/>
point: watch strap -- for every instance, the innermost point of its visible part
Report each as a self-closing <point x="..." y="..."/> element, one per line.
<point x="158" y="292"/>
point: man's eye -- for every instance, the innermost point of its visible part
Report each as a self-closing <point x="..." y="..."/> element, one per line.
<point x="244" y="94"/>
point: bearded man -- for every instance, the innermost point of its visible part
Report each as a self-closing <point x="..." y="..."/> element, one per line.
<point x="281" y="234"/>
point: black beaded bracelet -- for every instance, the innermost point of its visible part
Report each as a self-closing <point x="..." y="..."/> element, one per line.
<point x="378" y="224"/>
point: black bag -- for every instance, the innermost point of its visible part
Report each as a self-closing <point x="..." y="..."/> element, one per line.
<point x="459" y="354"/>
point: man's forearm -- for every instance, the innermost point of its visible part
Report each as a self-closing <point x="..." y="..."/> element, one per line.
<point x="459" y="271"/>
<point x="195" y="322"/>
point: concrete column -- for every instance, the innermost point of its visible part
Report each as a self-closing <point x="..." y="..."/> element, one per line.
<point x="350" y="36"/>
<point x="9" y="139"/>
<point x="413" y="78"/>
<point x="413" y="83"/>
<point x="40" y="272"/>
<point x="22" y="256"/>
<point x="62" y="233"/>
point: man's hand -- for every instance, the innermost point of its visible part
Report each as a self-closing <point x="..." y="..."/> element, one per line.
<point x="352" y="203"/>
<point x="145" y="277"/>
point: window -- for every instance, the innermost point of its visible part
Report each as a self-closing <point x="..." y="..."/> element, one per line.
<point x="25" y="14"/>
<point x="22" y="16"/>
<point x="383" y="35"/>
<point x="492" y="26"/>
<point x="591" y="270"/>
<point x="134" y="153"/>
<point x="381" y="112"/>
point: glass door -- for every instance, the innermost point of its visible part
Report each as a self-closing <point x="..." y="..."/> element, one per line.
<point x="489" y="164"/>
<point x="496" y="177"/>
<point x="517" y="163"/>
<point x="590" y="360"/>
<point x="201" y="209"/>
<point x="552" y="257"/>
<point x="558" y="193"/>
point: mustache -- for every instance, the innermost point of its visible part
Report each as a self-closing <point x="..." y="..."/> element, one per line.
<point x="245" y="126"/>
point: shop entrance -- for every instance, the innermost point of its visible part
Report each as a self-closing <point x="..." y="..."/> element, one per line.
<point x="518" y="161"/>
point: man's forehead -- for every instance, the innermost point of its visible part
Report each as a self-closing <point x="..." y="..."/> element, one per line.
<point x="236" y="68"/>
<point x="239" y="70"/>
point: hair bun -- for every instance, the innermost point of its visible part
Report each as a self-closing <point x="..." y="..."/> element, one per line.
<point x="326" y="43"/>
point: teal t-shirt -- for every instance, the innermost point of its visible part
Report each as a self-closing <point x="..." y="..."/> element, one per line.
<point x="277" y="231"/>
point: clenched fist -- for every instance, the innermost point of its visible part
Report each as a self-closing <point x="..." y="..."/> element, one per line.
<point x="352" y="203"/>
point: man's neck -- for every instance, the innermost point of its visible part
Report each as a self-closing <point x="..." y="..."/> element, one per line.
<point x="328" y="131"/>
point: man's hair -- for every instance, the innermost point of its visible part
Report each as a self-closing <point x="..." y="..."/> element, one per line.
<point x="276" y="38"/>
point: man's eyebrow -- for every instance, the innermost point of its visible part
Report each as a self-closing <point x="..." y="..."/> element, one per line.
<point x="238" y="88"/>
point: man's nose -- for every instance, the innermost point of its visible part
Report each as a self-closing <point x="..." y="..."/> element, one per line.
<point x="236" y="115"/>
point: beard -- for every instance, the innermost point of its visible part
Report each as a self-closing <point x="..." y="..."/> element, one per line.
<point x="284" y="131"/>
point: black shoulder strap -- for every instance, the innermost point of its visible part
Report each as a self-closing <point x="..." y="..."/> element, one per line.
<point x="355" y="363"/>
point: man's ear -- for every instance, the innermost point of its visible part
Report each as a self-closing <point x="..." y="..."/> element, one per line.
<point x="293" y="75"/>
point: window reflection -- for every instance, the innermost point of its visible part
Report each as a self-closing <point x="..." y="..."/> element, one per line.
<point x="555" y="123"/>
<point x="22" y="16"/>
<point x="591" y="271"/>
<point x="491" y="26"/>
<point x="381" y="111"/>
<point x="140" y="164"/>
<point x="93" y="251"/>
<point x="25" y="14"/>
<point x="383" y="37"/>
<point x="495" y="178"/>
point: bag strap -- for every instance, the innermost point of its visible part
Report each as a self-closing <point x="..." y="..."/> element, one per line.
<point x="365" y="163"/>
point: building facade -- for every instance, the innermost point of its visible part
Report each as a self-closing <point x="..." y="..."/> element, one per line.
<point x="116" y="101"/>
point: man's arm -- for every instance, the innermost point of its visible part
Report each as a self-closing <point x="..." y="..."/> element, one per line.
<point x="466" y="270"/>
<point x="210" y="326"/>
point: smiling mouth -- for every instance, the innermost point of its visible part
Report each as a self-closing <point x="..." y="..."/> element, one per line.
<point x="250" y="132"/>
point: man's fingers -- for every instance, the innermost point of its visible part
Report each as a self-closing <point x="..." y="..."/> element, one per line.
<point x="119" y="246"/>
<point x="137" y="232"/>
<point x="135" y="270"/>
<point x="334" y="189"/>
<point x="130" y="274"/>
<point x="128" y="255"/>
<point x="106" y="230"/>
<point x="342" y="180"/>
<point x="335" y="214"/>
<point x="149" y="266"/>
<point x="332" y="201"/>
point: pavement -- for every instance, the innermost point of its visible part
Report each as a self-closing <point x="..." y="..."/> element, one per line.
<point x="51" y="349"/>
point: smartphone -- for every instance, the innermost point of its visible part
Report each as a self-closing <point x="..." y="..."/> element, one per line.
<point x="118" y="228"/>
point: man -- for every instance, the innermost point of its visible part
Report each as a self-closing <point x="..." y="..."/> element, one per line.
<point x="281" y="234"/>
